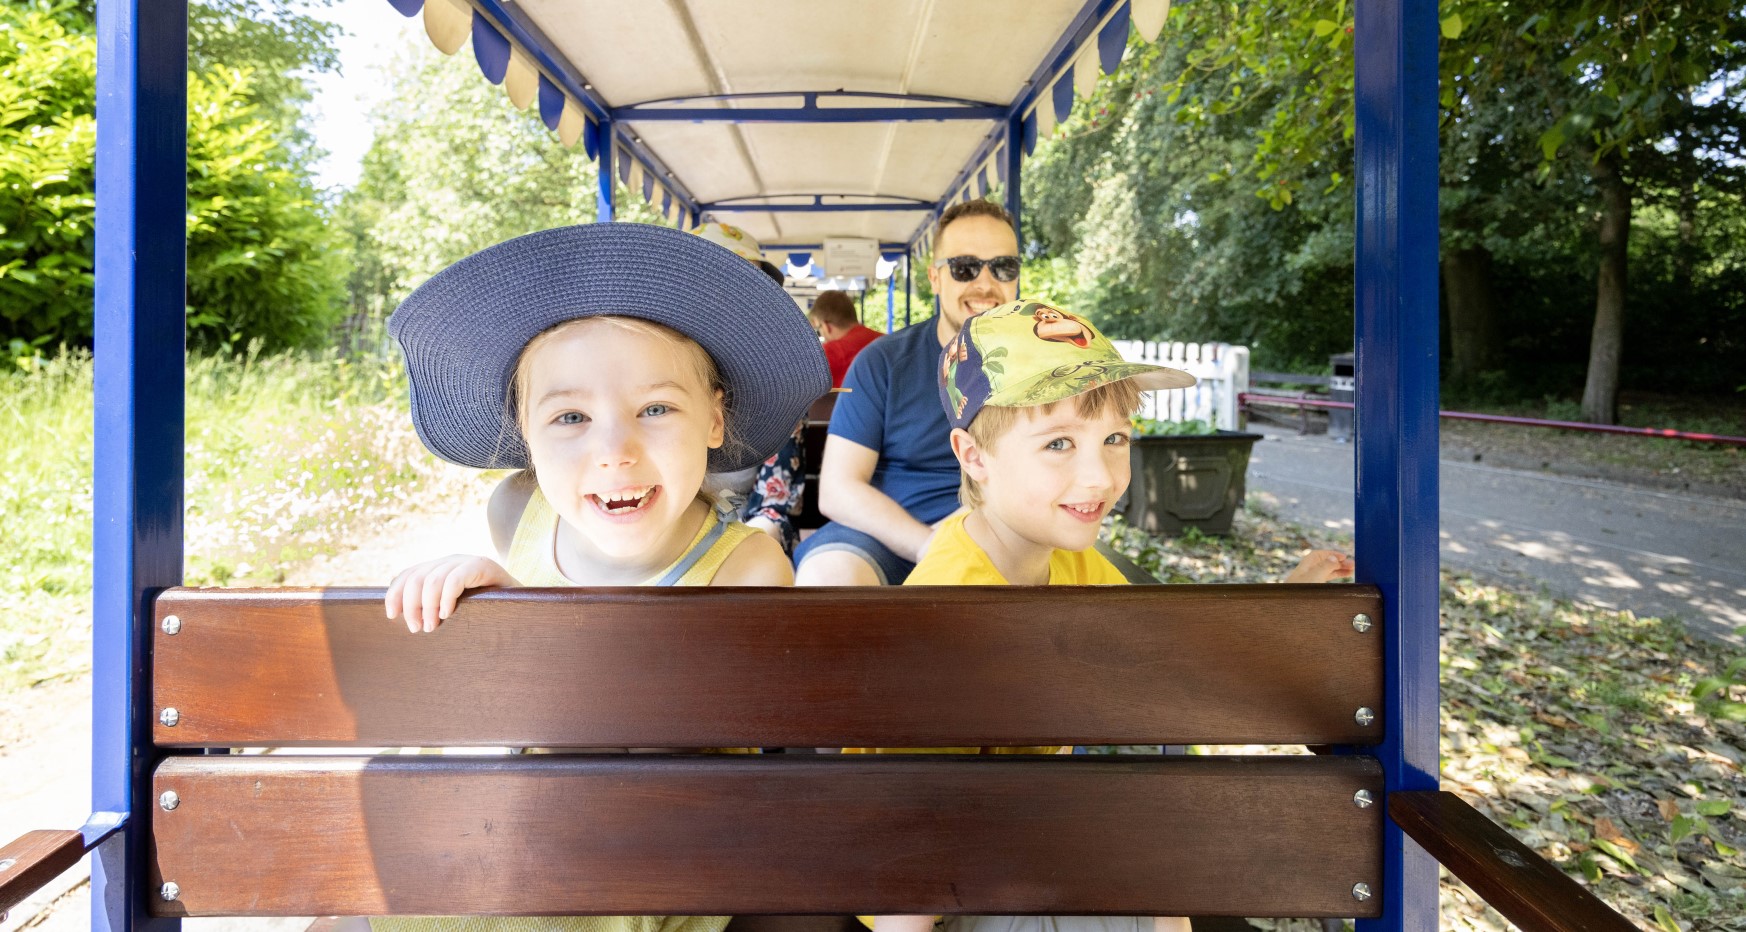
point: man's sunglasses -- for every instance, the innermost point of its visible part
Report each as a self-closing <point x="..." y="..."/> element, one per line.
<point x="966" y="268"/>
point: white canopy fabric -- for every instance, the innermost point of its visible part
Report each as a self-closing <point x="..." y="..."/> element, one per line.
<point x="797" y="103"/>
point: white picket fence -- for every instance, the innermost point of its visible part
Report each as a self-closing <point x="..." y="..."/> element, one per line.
<point x="1223" y="371"/>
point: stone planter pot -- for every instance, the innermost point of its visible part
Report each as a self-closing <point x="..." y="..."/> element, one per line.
<point x="1188" y="481"/>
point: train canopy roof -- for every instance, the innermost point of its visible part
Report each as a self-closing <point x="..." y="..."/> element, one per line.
<point x="797" y="120"/>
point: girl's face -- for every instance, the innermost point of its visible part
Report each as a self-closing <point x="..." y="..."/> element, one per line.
<point x="619" y="425"/>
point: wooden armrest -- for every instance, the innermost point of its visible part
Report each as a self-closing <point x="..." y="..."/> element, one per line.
<point x="33" y="859"/>
<point x="1526" y="888"/>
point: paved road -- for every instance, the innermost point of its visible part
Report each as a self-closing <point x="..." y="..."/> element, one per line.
<point x="1656" y="553"/>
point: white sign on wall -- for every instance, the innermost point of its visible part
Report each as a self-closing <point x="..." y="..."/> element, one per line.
<point x="851" y="258"/>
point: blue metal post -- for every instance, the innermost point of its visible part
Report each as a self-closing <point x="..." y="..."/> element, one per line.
<point x="908" y="282"/>
<point x="1396" y="56"/>
<point x="603" y="212"/>
<point x="141" y="261"/>
<point x="891" y="302"/>
<point x="1015" y="160"/>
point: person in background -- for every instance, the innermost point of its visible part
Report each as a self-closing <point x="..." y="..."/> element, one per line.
<point x="833" y="317"/>
<point x="768" y="496"/>
<point x="888" y="474"/>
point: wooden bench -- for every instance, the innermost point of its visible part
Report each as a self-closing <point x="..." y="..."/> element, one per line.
<point x="289" y="834"/>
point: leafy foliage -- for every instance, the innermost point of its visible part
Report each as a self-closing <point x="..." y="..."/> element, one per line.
<point x="259" y="264"/>
<point x="454" y="168"/>
<point x="1205" y="192"/>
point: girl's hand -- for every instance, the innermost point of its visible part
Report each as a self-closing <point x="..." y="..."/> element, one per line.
<point x="1319" y="566"/>
<point x="426" y="593"/>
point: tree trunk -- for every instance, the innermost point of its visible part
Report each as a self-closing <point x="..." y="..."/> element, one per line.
<point x="1472" y="327"/>
<point x="1600" y="397"/>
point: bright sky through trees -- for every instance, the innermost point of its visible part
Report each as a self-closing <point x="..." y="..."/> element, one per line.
<point x="339" y="115"/>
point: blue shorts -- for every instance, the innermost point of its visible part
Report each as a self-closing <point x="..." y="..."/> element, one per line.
<point x="892" y="569"/>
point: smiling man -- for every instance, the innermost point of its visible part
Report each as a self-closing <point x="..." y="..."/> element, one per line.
<point x="888" y="474"/>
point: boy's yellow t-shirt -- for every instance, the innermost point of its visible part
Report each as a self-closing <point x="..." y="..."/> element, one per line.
<point x="953" y="559"/>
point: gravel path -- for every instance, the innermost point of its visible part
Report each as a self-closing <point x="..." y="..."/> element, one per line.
<point x="1613" y="545"/>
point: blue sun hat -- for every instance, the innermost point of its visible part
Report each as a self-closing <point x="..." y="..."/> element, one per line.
<point x="463" y="330"/>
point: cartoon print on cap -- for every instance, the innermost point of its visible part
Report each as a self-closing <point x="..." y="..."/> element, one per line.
<point x="1058" y="326"/>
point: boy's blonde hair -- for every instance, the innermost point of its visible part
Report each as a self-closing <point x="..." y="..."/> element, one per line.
<point x="701" y="365"/>
<point x="996" y="421"/>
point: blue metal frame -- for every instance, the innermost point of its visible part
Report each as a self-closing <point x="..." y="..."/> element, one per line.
<point x="1395" y="43"/>
<point x="816" y="207"/>
<point x="141" y="258"/>
<point x="809" y="114"/>
<point x="809" y="99"/>
<point x="947" y="109"/>
<point x="140" y="284"/>
<point x="604" y="207"/>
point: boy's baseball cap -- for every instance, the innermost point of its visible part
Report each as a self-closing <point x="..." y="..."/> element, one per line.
<point x="1029" y="353"/>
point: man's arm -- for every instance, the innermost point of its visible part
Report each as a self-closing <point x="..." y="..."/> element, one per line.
<point x="846" y="495"/>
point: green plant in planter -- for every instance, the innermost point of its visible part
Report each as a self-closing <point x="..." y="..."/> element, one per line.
<point x="1148" y="427"/>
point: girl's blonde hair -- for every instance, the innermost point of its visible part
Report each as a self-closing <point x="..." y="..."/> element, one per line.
<point x="995" y="421"/>
<point x="696" y="359"/>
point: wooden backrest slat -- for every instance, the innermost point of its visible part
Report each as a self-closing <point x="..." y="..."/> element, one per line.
<point x="897" y="667"/>
<point x="727" y="835"/>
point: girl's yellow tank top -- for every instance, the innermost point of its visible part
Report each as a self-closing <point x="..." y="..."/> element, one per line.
<point x="533" y="551"/>
<point x="533" y="562"/>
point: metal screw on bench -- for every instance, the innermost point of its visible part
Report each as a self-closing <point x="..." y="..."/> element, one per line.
<point x="169" y="800"/>
<point x="6" y="865"/>
<point x="1360" y="622"/>
<point x="1360" y="892"/>
<point x="1362" y="799"/>
<point x="170" y="891"/>
<point x="172" y="624"/>
<point x="1363" y="716"/>
<point x="170" y="717"/>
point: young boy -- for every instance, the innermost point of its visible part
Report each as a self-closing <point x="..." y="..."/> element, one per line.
<point x="1040" y="427"/>
<point x="1039" y="403"/>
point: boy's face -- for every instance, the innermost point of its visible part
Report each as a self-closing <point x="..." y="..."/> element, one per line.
<point x="1053" y="476"/>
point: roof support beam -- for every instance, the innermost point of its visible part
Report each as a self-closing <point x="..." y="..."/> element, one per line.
<point x="936" y="110"/>
<point x="808" y="114"/>
<point x="816" y="207"/>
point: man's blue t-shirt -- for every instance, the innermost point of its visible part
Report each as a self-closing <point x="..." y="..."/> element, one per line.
<point x="893" y="407"/>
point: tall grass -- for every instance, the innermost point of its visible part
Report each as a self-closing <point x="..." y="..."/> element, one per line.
<point x="287" y="457"/>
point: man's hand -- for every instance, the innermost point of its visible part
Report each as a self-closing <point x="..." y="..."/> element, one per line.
<point x="1320" y="566"/>
<point x="426" y="594"/>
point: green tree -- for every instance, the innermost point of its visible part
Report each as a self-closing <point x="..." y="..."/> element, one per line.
<point x="455" y="168"/>
<point x="280" y="41"/>
<point x="259" y="266"/>
<point x="1151" y="192"/>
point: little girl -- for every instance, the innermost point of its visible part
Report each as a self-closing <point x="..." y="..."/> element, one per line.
<point x="614" y="365"/>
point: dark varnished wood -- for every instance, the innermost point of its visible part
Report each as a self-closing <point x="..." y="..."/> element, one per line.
<point x="1527" y="889"/>
<point x="730" y="835"/>
<point x="33" y="859"/>
<point x="895" y="667"/>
